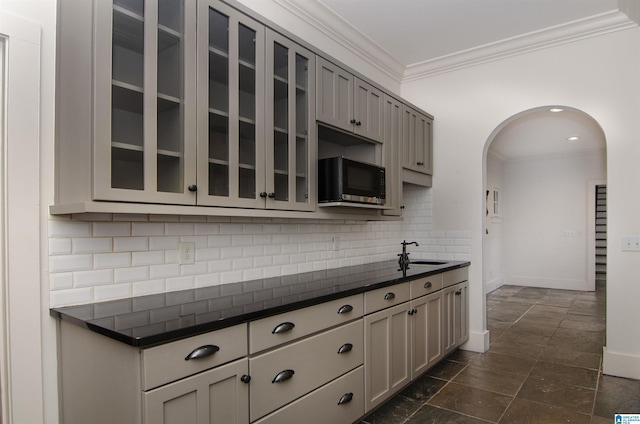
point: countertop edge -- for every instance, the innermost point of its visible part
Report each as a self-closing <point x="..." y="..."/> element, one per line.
<point x="183" y="333"/>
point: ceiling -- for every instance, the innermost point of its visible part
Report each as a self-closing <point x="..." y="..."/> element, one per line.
<point x="430" y="35"/>
<point x="541" y="133"/>
<point x="414" y="31"/>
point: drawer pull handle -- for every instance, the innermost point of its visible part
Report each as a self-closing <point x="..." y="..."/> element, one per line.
<point x="345" y="348"/>
<point x="345" y="309"/>
<point x="346" y="398"/>
<point x="427" y="285"/>
<point x="389" y="296"/>
<point x="202" y="352"/>
<point x="283" y="376"/>
<point x="283" y="328"/>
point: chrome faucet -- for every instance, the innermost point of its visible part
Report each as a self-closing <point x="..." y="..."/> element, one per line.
<point x="404" y="261"/>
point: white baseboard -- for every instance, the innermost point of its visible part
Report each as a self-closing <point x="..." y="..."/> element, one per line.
<point x="478" y="342"/>
<point x="493" y="285"/>
<point x="548" y="283"/>
<point x="620" y="364"/>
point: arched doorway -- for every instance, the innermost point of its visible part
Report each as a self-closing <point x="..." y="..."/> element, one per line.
<point x="538" y="182"/>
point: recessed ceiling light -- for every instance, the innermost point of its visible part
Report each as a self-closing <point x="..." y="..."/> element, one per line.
<point x="556" y="109"/>
<point x="573" y="138"/>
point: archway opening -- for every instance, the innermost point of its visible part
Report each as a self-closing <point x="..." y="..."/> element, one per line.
<point x="541" y="169"/>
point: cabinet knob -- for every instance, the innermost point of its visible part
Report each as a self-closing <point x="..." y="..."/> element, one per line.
<point x="389" y="296"/>
<point x="401" y="206"/>
<point x="420" y="163"/>
<point x="345" y="348"/>
<point x="245" y="378"/>
<point x="346" y="398"/>
<point x="283" y="376"/>
<point x="345" y="309"/>
<point x="271" y="195"/>
<point x="192" y="188"/>
<point x="202" y="352"/>
<point x="458" y="293"/>
<point x="412" y="311"/>
<point x="358" y="123"/>
<point x="263" y="194"/>
<point x="353" y="121"/>
<point x="283" y="328"/>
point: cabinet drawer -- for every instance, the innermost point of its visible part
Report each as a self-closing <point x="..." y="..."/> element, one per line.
<point x="165" y="363"/>
<point x="303" y="366"/>
<point x="339" y="402"/>
<point x="426" y="285"/>
<point x="272" y="331"/>
<point x="385" y="297"/>
<point x="455" y="276"/>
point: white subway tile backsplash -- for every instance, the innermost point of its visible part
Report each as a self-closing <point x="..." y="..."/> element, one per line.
<point x="111" y="229"/>
<point x="112" y="260"/>
<point x="147" y="229"/>
<point x="91" y="245"/>
<point x="163" y="243"/>
<point x="64" y="263"/>
<point x="61" y="281"/>
<point x="128" y="275"/>
<point x="93" y="278"/>
<point x="59" y="246"/>
<point x="61" y="229"/>
<point x="116" y="291"/>
<point x="179" y="229"/>
<point x="164" y="271"/>
<point x="71" y="297"/>
<point x="130" y="244"/>
<point x="152" y="257"/>
<point x="103" y="256"/>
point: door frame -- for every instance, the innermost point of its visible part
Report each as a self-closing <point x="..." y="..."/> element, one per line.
<point x="21" y="304"/>
<point x="591" y="231"/>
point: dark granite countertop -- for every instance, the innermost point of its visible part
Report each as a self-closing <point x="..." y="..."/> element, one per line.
<point x="147" y="321"/>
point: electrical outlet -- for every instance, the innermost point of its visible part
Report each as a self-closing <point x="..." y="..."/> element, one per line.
<point x="336" y="243"/>
<point x="631" y="243"/>
<point x="187" y="253"/>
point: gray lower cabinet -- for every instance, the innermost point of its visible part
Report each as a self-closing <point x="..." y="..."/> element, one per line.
<point x="215" y="396"/>
<point x="411" y="332"/>
<point x="331" y="362"/>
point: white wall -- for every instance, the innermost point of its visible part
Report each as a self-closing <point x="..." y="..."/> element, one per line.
<point x="596" y="75"/>
<point x="492" y="266"/>
<point x="543" y="200"/>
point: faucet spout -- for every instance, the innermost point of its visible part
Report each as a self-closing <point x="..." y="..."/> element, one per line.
<point x="404" y="260"/>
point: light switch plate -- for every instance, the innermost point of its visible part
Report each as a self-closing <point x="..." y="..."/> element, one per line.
<point x="631" y="243"/>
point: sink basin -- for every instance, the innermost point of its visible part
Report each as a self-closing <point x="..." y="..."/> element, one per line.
<point x="428" y="262"/>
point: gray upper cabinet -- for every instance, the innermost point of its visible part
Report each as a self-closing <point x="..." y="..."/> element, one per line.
<point x="348" y="103"/>
<point x="163" y="105"/>
<point x="290" y="121"/>
<point x="417" y="148"/>
<point x="130" y="127"/>
<point x="231" y="95"/>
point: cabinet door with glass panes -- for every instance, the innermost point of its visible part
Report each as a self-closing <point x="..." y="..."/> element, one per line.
<point x="230" y="73"/>
<point x="144" y="117"/>
<point x="290" y="125"/>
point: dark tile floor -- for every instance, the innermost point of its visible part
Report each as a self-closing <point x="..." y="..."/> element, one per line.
<point x="543" y="367"/>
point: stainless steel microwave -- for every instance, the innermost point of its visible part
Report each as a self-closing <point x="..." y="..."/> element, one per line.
<point x="345" y="180"/>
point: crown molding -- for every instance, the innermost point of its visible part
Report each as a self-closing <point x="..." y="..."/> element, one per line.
<point x="561" y="34"/>
<point x="316" y="14"/>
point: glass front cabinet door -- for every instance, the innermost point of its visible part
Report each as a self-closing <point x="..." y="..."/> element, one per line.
<point x="144" y="119"/>
<point x="290" y="129"/>
<point x="231" y="165"/>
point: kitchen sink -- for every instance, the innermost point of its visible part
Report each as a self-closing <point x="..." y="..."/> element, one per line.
<point x="428" y="262"/>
